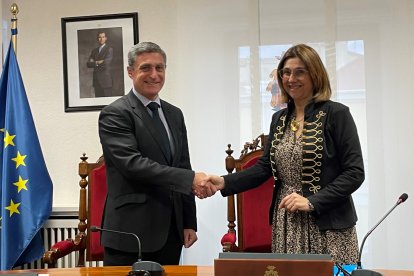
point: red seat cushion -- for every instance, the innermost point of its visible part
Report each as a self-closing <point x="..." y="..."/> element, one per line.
<point x="97" y="196"/>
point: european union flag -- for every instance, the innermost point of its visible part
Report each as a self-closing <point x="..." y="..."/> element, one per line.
<point x="26" y="187"/>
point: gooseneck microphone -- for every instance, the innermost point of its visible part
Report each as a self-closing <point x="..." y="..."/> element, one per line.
<point x="97" y="229"/>
<point x="365" y="272"/>
<point x="140" y="267"/>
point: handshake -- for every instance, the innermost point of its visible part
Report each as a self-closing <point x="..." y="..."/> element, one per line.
<point x="206" y="185"/>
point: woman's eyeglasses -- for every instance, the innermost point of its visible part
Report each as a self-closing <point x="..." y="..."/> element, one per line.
<point x="298" y="73"/>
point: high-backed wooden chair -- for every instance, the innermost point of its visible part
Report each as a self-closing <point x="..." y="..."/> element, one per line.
<point x="91" y="202"/>
<point x="254" y="234"/>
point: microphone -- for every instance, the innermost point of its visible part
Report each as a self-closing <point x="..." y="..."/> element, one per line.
<point x="365" y="272"/>
<point x="140" y="267"/>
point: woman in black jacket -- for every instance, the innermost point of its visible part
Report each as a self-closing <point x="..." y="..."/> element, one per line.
<point x="315" y="157"/>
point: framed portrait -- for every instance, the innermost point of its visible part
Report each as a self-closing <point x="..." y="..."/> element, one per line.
<point x="95" y="52"/>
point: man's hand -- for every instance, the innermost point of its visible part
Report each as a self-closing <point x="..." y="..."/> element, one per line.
<point x="190" y="237"/>
<point x="218" y="181"/>
<point x="203" y="188"/>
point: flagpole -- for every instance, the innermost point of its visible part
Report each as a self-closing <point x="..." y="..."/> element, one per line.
<point x="14" y="9"/>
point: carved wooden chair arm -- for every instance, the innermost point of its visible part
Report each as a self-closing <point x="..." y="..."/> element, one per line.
<point x="63" y="248"/>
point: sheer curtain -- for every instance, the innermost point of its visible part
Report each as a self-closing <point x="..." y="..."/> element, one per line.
<point x="367" y="46"/>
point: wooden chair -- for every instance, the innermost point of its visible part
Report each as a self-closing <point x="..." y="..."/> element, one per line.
<point x="91" y="202"/>
<point x="254" y="233"/>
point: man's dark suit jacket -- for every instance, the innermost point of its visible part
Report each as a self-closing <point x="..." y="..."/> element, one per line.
<point x="143" y="189"/>
<point x="102" y="76"/>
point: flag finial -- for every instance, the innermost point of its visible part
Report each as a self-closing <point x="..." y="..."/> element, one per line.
<point x="14" y="9"/>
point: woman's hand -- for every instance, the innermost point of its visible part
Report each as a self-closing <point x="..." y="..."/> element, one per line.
<point x="295" y="202"/>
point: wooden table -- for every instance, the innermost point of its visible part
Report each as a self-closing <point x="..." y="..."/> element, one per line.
<point x="170" y="270"/>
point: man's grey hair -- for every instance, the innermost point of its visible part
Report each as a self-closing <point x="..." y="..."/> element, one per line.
<point x="144" y="47"/>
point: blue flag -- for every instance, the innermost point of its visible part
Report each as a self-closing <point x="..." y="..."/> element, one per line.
<point x="26" y="187"/>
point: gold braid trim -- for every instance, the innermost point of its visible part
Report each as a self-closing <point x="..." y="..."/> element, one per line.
<point x="312" y="141"/>
<point x="280" y="126"/>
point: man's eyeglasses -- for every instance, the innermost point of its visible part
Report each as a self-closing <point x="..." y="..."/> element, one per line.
<point x="298" y="73"/>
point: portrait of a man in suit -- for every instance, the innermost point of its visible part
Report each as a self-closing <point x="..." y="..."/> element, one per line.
<point x="100" y="60"/>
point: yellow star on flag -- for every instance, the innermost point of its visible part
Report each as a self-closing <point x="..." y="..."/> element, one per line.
<point x="13" y="207"/>
<point x="19" y="159"/>
<point x="8" y="140"/>
<point x="21" y="184"/>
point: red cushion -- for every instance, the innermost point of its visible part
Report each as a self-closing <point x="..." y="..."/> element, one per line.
<point x="64" y="247"/>
<point x="97" y="184"/>
<point x="230" y="238"/>
<point x="257" y="233"/>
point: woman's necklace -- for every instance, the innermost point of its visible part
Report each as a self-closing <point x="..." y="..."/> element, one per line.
<point x="294" y="126"/>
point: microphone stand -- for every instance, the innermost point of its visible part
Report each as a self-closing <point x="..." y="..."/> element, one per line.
<point x="366" y="272"/>
<point x="146" y="268"/>
<point x="140" y="267"/>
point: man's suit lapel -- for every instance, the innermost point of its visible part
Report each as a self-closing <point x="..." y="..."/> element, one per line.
<point x="140" y="110"/>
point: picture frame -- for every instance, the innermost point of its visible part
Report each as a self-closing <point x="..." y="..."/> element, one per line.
<point x="93" y="77"/>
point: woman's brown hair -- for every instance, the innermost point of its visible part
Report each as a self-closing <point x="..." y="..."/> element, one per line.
<point x="317" y="72"/>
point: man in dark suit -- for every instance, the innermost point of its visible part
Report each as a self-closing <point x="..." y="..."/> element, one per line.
<point x="100" y="60"/>
<point x="150" y="181"/>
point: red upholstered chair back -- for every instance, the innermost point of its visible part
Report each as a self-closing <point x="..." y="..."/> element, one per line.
<point x="96" y="199"/>
<point x="254" y="234"/>
<point x="92" y="195"/>
<point x="254" y="231"/>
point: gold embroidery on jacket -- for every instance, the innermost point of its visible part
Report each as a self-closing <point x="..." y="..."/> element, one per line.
<point x="312" y="143"/>
<point x="280" y="126"/>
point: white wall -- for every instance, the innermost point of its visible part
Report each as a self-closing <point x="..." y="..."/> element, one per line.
<point x="202" y="39"/>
